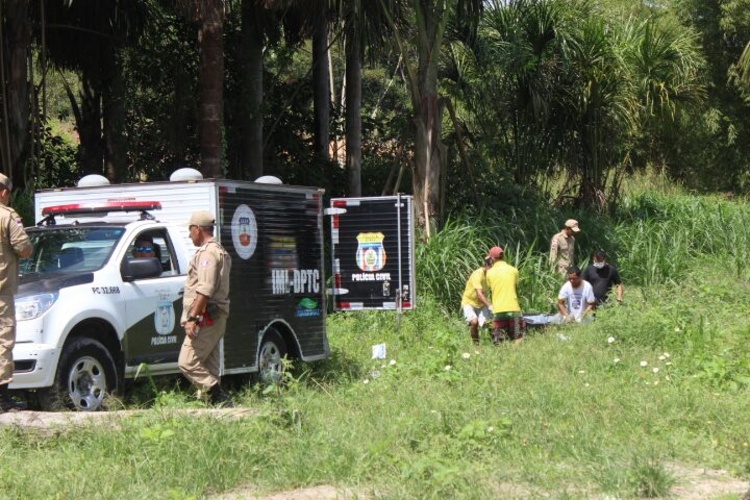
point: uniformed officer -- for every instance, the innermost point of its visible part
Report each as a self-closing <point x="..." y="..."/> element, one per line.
<point x="14" y="245"/>
<point x="205" y="308"/>
<point x="562" y="247"/>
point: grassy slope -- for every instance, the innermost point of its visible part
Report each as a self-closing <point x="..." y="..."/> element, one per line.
<point x="440" y="418"/>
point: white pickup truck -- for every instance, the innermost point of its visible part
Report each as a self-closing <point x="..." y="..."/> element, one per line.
<point x="90" y="314"/>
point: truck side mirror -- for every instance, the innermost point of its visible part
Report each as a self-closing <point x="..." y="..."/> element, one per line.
<point x="136" y="269"/>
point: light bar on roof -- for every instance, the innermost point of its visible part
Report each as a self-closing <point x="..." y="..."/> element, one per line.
<point x="110" y="206"/>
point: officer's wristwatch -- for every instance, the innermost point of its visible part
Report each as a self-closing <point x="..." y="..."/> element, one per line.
<point x="195" y="319"/>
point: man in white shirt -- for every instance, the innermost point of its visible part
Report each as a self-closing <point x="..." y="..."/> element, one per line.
<point x="576" y="298"/>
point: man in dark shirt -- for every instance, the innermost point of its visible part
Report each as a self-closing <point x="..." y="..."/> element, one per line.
<point x="602" y="275"/>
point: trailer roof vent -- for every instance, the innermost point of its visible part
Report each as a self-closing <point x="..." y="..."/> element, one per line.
<point x="92" y="180"/>
<point x="185" y="174"/>
<point x="268" y="179"/>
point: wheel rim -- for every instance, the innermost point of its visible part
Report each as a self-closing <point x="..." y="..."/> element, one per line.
<point x="87" y="383"/>
<point x="271" y="364"/>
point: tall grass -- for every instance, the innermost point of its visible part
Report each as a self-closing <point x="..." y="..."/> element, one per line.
<point x="653" y="239"/>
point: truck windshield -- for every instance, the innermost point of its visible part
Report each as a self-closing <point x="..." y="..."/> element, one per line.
<point x="70" y="249"/>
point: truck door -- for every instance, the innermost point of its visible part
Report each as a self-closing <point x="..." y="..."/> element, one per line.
<point x="153" y="305"/>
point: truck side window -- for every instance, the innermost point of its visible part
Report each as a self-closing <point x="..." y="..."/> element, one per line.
<point x="165" y="255"/>
<point x="153" y="244"/>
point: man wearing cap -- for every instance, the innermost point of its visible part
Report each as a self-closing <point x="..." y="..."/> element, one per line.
<point x="14" y="245"/>
<point x="477" y="309"/>
<point x="502" y="279"/>
<point x="562" y="247"/>
<point x="205" y="308"/>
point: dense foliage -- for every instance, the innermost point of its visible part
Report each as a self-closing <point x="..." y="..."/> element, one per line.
<point x="530" y="92"/>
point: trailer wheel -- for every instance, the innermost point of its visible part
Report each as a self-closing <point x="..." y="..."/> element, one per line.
<point x="85" y="375"/>
<point x="271" y="357"/>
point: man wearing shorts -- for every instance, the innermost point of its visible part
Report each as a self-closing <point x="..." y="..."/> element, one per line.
<point x="477" y="309"/>
<point x="502" y="279"/>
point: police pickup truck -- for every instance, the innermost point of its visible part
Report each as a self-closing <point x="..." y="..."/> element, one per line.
<point x="91" y="312"/>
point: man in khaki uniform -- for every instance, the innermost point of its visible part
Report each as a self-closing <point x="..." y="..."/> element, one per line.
<point x="205" y="308"/>
<point x="562" y="247"/>
<point x="14" y="245"/>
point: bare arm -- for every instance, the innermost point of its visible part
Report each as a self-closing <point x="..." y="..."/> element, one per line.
<point x="589" y="309"/>
<point x="26" y="253"/>
<point x="483" y="298"/>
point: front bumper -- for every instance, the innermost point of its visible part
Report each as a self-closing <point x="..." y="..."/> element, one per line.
<point x="34" y="365"/>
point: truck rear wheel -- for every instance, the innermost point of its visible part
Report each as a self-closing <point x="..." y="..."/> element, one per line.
<point x="271" y="357"/>
<point x="85" y="375"/>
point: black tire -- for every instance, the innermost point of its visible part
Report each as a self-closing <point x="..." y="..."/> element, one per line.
<point x="86" y="374"/>
<point x="271" y="357"/>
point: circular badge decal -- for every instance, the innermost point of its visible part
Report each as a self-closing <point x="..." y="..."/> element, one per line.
<point x="244" y="232"/>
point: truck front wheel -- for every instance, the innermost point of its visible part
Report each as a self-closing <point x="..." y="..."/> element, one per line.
<point x="271" y="357"/>
<point x="85" y="375"/>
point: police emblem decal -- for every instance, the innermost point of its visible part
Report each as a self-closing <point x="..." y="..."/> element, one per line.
<point x="244" y="232"/>
<point x="370" y="252"/>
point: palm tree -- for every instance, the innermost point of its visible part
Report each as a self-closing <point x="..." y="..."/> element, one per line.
<point x="211" y="83"/>
<point x="626" y="79"/>
<point x="263" y="23"/>
<point x="507" y="79"/>
<point x="15" y="47"/>
<point x="253" y="38"/>
<point x="365" y="25"/>
<point x="424" y="35"/>
<point x="89" y="38"/>
<point x="665" y="67"/>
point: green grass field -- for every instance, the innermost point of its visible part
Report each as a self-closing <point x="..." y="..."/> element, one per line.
<point x="578" y="411"/>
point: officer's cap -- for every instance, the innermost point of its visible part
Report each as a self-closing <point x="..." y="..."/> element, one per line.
<point x="202" y="218"/>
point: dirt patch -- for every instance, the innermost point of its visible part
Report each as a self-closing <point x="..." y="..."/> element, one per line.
<point x="705" y="484"/>
<point x="692" y="484"/>
<point x="322" y="492"/>
<point x="43" y="420"/>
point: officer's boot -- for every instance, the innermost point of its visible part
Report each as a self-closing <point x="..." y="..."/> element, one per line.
<point x="7" y="403"/>
<point x="219" y="397"/>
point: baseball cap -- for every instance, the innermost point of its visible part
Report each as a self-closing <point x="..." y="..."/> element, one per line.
<point x="5" y="181"/>
<point x="572" y="224"/>
<point x="202" y="218"/>
<point x="495" y="252"/>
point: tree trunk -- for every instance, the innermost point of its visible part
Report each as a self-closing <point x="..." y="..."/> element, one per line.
<point x="90" y="150"/>
<point x="252" y="93"/>
<point x="113" y="118"/>
<point x="321" y="91"/>
<point x="211" y="87"/>
<point x="179" y="132"/>
<point x="353" y="115"/>
<point x="16" y="45"/>
<point x="430" y="158"/>
<point x="430" y="154"/>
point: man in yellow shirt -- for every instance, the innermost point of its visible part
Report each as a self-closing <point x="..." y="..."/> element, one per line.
<point x="477" y="309"/>
<point x="502" y="279"/>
